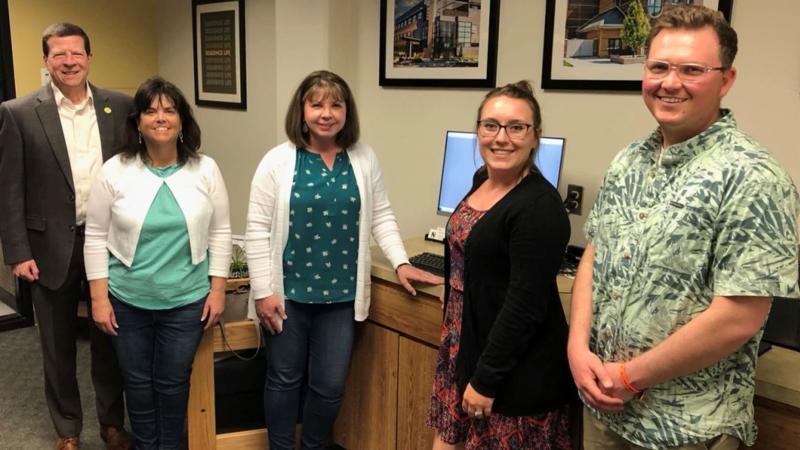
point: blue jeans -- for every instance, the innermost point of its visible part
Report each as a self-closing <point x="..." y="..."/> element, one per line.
<point x="318" y="337"/>
<point x="156" y="349"/>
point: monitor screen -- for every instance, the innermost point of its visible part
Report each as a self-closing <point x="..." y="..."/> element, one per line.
<point x="462" y="158"/>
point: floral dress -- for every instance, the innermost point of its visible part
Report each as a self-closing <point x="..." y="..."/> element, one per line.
<point x="538" y="432"/>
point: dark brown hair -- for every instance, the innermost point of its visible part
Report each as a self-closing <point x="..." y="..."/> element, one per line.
<point x="524" y="91"/>
<point x="63" y="29"/>
<point x="330" y="85"/>
<point x="695" y="17"/>
<point x="153" y="89"/>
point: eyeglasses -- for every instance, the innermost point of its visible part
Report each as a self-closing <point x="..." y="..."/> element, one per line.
<point x="657" y="69"/>
<point x="514" y="130"/>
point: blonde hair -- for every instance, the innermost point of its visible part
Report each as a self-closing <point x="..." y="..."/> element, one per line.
<point x="695" y="17"/>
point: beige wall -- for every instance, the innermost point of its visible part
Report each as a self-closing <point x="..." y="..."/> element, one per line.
<point x="406" y="126"/>
<point x="286" y="39"/>
<point x="122" y="35"/>
<point x="766" y="96"/>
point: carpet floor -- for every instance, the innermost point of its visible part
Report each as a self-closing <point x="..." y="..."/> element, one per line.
<point x="24" y="419"/>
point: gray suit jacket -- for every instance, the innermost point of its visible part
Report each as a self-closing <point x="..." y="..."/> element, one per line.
<point x="37" y="196"/>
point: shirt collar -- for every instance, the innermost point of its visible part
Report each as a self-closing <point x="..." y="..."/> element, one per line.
<point x="62" y="100"/>
<point x="688" y="149"/>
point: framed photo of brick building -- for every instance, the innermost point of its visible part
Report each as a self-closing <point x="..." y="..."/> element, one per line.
<point x="588" y="47"/>
<point x="438" y="43"/>
<point x="219" y="53"/>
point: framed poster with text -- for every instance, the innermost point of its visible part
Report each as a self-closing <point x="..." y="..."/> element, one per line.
<point x="219" y="53"/>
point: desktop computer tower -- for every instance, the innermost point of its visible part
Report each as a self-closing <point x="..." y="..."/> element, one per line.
<point x="783" y="323"/>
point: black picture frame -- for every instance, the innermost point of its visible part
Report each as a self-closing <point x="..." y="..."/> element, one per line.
<point x="220" y="83"/>
<point x="550" y="80"/>
<point x="444" y="72"/>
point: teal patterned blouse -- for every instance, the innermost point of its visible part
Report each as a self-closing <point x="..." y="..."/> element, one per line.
<point x="319" y="261"/>
<point x="716" y="216"/>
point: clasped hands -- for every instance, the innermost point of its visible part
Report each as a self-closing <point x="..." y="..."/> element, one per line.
<point x="598" y="382"/>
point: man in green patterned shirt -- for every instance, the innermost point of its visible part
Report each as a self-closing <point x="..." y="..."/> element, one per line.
<point x="692" y="234"/>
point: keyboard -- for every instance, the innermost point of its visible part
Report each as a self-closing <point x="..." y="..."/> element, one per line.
<point x="568" y="267"/>
<point x="429" y="262"/>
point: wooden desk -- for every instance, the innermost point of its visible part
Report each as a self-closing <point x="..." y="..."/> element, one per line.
<point x="391" y="374"/>
<point x="394" y="360"/>
<point x="777" y="402"/>
<point x="202" y="413"/>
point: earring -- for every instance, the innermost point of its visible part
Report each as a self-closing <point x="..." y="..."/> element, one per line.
<point x="305" y="127"/>
<point x="140" y="138"/>
<point x="180" y="136"/>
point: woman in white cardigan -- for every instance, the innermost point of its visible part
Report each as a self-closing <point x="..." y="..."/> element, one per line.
<point x="157" y="253"/>
<point x="314" y="203"/>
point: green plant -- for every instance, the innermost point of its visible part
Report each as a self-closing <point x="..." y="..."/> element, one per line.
<point x="635" y="28"/>
<point x="239" y="263"/>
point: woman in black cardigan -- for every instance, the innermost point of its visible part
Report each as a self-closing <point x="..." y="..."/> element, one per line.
<point x="502" y="379"/>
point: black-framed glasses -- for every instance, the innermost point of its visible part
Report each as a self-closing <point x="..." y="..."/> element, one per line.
<point x="657" y="69"/>
<point x="514" y="130"/>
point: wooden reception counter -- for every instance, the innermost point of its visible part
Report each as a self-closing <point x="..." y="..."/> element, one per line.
<point x="394" y="359"/>
<point x="391" y="373"/>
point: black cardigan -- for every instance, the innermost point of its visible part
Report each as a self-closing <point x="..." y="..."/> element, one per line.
<point x="514" y="332"/>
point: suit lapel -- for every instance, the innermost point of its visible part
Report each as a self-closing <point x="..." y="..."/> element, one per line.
<point x="105" y="121"/>
<point x="51" y="123"/>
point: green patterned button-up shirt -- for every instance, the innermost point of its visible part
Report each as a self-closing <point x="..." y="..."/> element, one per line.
<point x="321" y="254"/>
<point x="714" y="216"/>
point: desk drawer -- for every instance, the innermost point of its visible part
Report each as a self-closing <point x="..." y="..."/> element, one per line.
<point x="418" y="317"/>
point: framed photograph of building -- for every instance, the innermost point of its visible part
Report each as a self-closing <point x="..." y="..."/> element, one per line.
<point x="589" y="45"/>
<point x="219" y="53"/>
<point x="438" y="43"/>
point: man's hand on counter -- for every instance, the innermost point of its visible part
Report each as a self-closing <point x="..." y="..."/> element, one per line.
<point x="408" y="273"/>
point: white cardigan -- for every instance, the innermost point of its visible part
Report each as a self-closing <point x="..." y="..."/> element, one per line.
<point x="122" y="195"/>
<point x="268" y="222"/>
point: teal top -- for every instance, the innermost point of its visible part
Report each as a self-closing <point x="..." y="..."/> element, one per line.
<point x="712" y="216"/>
<point x="319" y="261"/>
<point x="162" y="275"/>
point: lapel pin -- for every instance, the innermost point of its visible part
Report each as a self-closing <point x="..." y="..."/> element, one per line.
<point x="107" y="110"/>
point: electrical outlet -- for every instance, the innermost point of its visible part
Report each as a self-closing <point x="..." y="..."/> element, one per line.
<point x="574" y="200"/>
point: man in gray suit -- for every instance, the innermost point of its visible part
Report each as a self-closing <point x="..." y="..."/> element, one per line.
<point x="52" y="144"/>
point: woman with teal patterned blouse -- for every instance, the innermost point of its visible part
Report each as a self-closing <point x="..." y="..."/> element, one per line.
<point x="314" y="203"/>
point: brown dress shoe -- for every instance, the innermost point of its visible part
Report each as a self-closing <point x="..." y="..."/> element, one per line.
<point x="70" y="443"/>
<point x="116" y="438"/>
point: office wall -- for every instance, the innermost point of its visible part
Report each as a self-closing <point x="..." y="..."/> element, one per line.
<point x="122" y="35"/>
<point x="406" y="126"/>
<point x="287" y="39"/>
<point x="766" y="96"/>
<point x="7" y="281"/>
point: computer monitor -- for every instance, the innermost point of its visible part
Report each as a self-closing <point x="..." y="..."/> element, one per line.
<point x="462" y="158"/>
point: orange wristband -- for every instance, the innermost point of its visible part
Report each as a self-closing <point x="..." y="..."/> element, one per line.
<point x="628" y="386"/>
